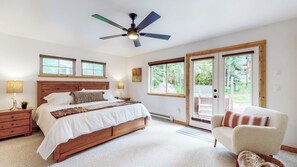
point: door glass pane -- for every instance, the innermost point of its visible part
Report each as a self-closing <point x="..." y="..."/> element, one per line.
<point x="175" y="78"/>
<point x="238" y="82"/>
<point x="203" y="88"/>
<point x="158" y="78"/>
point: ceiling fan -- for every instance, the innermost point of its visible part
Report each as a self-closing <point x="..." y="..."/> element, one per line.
<point x="134" y="32"/>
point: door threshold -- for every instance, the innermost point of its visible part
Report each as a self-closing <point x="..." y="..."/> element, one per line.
<point x="201" y="120"/>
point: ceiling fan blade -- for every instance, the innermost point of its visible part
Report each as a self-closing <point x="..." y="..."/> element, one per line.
<point x="113" y="36"/>
<point x="108" y="21"/>
<point x="136" y="43"/>
<point x="158" y="36"/>
<point x="152" y="17"/>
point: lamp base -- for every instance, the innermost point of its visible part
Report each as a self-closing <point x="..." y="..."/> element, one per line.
<point x="121" y="93"/>
<point x="14" y="104"/>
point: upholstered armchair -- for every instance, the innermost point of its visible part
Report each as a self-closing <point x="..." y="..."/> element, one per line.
<point x="259" y="139"/>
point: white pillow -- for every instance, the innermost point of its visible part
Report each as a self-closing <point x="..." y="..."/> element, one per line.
<point x="107" y="93"/>
<point x="59" y="98"/>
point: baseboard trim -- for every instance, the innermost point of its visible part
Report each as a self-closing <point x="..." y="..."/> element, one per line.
<point x="289" y="149"/>
<point x="180" y="122"/>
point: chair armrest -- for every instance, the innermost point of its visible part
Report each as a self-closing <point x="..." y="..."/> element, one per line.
<point x="216" y="121"/>
<point x="259" y="139"/>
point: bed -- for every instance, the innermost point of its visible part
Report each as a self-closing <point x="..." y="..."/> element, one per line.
<point x="63" y="137"/>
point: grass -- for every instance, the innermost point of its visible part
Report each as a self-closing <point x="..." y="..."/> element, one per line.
<point x="242" y="96"/>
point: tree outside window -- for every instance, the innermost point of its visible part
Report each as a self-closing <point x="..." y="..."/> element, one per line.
<point x="167" y="78"/>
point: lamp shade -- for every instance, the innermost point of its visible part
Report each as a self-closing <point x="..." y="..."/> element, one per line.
<point x="14" y="87"/>
<point x="121" y="85"/>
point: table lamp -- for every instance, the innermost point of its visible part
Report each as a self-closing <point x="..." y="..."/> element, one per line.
<point x="121" y="86"/>
<point x="14" y="87"/>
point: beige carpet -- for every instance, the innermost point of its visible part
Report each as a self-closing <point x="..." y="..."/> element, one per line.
<point x="157" y="146"/>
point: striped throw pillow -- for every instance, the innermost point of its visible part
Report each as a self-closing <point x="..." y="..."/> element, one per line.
<point x="232" y="119"/>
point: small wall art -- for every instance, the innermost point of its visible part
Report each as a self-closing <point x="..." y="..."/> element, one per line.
<point x="136" y="75"/>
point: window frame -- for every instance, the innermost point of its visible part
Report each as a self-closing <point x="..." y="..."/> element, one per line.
<point x="93" y="62"/>
<point x="42" y="56"/>
<point x="165" y="62"/>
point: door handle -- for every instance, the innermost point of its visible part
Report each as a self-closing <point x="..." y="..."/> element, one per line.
<point x="215" y="90"/>
<point x="215" y="96"/>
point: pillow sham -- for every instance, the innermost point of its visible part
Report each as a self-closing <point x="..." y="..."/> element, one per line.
<point x="59" y="98"/>
<point x="232" y="120"/>
<point x="85" y="97"/>
<point x="107" y="93"/>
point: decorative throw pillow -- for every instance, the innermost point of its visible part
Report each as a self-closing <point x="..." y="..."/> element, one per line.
<point x="85" y="97"/>
<point x="107" y="93"/>
<point x="249" y="159"/>
<point x="232" y="119"/>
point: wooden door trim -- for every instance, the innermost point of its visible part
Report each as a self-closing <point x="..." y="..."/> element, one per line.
<point x="262" y="69"/>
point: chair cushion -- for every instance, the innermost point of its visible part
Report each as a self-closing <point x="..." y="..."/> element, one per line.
<point x="232" y="119"/>
<point x="223" y="135"/>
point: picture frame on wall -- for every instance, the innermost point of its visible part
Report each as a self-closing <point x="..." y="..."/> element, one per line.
<point x="136" y="74"/>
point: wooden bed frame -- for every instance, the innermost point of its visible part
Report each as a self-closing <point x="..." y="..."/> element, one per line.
<point x="86" y="141"/>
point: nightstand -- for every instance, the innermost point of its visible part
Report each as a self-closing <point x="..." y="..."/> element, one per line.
<point x="125" y="98"/>
<point x="16" y="122"/>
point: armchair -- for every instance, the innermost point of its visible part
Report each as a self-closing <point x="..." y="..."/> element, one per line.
<point x="259" y="139"/>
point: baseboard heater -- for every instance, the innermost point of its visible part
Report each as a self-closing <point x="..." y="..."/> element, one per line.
<point x="162" y="116"/>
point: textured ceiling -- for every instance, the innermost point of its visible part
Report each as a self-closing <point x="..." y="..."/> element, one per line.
<point x="69" y="22"/>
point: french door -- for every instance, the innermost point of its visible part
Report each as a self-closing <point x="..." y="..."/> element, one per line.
<point x="223" y="81"/>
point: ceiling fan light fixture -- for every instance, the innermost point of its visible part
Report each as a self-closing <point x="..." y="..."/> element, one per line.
<point x="133" y="35"/>
<point x="134" y="31"/>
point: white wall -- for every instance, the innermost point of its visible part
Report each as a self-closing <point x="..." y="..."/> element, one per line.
<point x="281" y="71"/>
<point x="19" y="59"/>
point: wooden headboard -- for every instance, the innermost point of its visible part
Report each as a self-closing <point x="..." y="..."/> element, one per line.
<point x="45" y="88"/>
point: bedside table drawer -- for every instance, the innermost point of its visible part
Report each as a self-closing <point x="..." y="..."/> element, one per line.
<point x="14" y="131"/>
<point x="13" y="117"/>
<point x="6" y="125"/>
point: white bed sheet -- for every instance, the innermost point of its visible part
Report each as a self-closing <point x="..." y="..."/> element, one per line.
<point x="60" y="130"/>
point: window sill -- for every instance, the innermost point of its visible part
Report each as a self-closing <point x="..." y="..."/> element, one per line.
<point x="167" y="94"/>
<point x="70" y="76"/>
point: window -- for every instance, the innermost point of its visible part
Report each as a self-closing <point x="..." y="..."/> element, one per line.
<point x="91" y="68"/>
<point x="167" y="77"/>
<point x="53" y="65"/>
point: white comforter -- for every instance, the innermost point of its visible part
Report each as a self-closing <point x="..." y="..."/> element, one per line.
<point x="60" y="130"/>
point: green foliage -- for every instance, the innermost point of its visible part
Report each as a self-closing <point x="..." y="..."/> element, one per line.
<point x="238" y="72"/>
<point x="233" y="65"/>
<point x="24" y="103"/>
<point x="234" y="69"/>
<point x="174" y="75"/>
<point x="158" y="73"/>
<point x="203" y="72"/>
